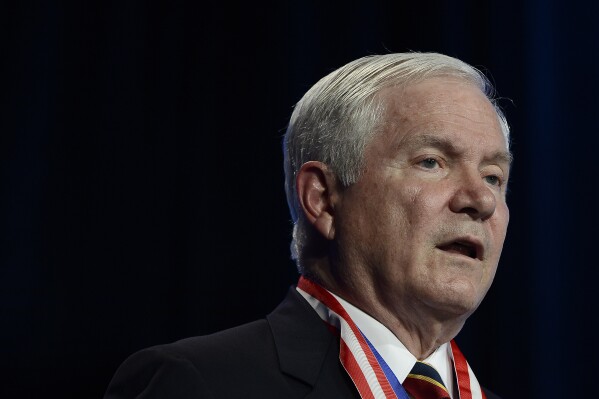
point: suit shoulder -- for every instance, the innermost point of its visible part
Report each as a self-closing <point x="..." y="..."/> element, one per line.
<point x="490" y="395"/>
<point x="154" y="373"/>
<point x="238" y="340"/>
<point x="188" y="366"/>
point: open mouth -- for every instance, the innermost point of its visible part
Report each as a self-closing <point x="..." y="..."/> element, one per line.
<point x="467" y="248"/>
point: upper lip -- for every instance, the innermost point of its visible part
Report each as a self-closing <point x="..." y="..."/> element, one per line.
<point x="468" y="241"/>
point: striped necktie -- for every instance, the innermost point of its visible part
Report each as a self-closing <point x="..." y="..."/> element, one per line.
<point x="424" y="382"/>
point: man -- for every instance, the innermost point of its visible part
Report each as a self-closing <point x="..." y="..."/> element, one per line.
<point x="396" y="174"/>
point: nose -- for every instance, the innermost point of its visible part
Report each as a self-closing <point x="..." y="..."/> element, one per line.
<point x="473" y="197"/>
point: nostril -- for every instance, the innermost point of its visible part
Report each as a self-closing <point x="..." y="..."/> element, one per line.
<point x="478" y="204"/>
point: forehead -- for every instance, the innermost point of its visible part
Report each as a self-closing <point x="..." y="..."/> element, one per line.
<point x="453" y="108"/>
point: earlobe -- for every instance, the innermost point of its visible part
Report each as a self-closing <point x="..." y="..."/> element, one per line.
<point x="315" y="186"/>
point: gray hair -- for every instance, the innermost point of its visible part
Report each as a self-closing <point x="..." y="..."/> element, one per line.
<point x="336" y="119"/>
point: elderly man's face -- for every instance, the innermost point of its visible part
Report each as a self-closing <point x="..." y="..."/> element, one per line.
<point x="425" y="224"/>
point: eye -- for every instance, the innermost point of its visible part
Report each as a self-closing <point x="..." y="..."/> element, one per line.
<point x="429" y="163"/>
<point x="493" y="180"/>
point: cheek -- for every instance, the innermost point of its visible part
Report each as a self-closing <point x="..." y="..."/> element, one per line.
<point x="504" y="216"/>
<point x="499" y="225"/>
<point x="423" y="204"/>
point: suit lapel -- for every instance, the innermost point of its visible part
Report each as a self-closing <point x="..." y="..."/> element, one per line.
<point x="307" y="350"/>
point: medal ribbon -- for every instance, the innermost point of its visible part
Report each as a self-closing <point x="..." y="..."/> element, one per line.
<point x="367" y="369"/>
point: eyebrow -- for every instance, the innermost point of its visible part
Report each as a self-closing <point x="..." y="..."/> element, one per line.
<point x="443" y="143"/>
<point x="502" y="157"/>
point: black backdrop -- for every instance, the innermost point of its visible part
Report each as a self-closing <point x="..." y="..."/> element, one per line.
<point x="141" y="191"/>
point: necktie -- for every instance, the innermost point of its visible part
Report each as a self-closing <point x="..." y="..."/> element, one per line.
<point x="424" y="382"/>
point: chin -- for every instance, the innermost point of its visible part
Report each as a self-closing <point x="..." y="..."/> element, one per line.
<point x="458" y="309"/>
<point x="455" y="303"/>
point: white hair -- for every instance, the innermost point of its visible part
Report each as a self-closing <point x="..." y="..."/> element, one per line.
<point x="336" y="119"/>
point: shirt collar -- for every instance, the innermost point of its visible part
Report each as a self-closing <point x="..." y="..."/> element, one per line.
<point x="394" y="352"/>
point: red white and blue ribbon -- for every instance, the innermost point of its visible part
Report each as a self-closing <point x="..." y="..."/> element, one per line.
<point x="368" y="370"/>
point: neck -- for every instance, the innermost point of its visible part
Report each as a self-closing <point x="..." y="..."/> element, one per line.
<point x="420" y="328"/>
<point x="421" y="337"/>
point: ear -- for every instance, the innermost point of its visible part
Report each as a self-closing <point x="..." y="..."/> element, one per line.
<point x="316" y="188"/>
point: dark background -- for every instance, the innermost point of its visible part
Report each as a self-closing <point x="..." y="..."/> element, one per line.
<point x="141" y="184"/>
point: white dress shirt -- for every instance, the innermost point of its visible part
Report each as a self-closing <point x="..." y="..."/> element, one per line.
<point x="395" y="354"/>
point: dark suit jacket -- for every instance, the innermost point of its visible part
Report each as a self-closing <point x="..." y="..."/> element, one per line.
<point x="290" y="354"/>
